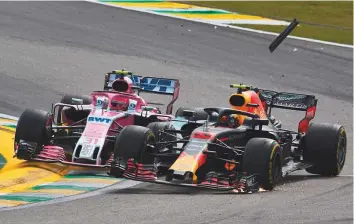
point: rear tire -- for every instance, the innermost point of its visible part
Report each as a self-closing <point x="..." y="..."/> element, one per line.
<point x="263" y="156"/>
<point x="68" y="99"/>
<point x="131" y="143"/>
<point x="33" y="126"/>
<point x="325" y="147"/>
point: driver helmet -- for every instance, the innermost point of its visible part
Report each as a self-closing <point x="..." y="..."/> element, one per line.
<point x="119" y="106"/>
<point x="231" y="121"/>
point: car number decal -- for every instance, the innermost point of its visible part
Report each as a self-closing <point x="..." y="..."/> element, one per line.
<point x="87" y="150"/>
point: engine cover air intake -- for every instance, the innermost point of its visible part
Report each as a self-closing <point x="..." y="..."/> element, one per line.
<point x="237" y="100"/>
<point x="120" y="85"/>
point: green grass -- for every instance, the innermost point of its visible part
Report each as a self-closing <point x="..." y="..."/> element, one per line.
<point x="339" y="15"/>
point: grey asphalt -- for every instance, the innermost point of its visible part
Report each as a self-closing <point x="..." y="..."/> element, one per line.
<point x="52" y="48"/>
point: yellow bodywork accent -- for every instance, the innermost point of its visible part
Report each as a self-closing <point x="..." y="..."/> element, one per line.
<point x="187" y="163"/>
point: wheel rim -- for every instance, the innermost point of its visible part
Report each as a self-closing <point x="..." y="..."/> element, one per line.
<point x="341" y="152"/>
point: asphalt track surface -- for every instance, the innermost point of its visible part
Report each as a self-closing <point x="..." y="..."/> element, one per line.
<point x="51" y="48"/>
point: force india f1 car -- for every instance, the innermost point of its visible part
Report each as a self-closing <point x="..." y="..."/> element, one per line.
<point x="85" y="129"/>
<point x="239" y="148"/>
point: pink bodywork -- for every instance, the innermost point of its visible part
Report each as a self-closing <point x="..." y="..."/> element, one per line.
<point x="95" y="133"/>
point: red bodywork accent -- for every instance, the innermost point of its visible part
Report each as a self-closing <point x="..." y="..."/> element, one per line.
<point x="224" y="139"/>
<point x="304" y="123"/>
<point x="200" y="158"/>
<point x="202" y="135"/>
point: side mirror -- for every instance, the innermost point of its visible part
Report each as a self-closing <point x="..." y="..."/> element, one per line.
<point x="77" y="101"/>
<point x="188" y="113"/>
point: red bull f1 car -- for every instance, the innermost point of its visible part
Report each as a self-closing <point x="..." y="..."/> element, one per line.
<point x="241" y="148"/>
<point x="82" y="130"/>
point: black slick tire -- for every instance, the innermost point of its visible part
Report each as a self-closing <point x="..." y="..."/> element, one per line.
<point x="325" y="147"/>
<point x="132" y="143"/>
<point x="32" y="126"/>
<point x="263" y="156"/>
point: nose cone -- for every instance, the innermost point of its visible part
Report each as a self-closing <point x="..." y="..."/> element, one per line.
<point x="187" y="164"/>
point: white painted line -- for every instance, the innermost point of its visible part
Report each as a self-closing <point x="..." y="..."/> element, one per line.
<point x="224" y="25"/>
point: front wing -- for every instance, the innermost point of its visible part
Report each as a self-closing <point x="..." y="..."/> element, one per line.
<point x="238" y="183"/>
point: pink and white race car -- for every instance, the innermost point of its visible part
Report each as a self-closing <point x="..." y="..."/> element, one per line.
<point x="82" y="130"/>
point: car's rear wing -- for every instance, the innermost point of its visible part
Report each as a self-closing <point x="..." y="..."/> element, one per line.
<point x="287" y="100"/>
<point x="153" y="85"/>
<point x="162" y="86"/>
<point x="290" y="101"/>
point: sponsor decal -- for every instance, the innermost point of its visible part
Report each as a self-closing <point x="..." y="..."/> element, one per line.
<point x="101" y="101"/>
<point x="99" y="119"/>
<point x="251" y="181"/>
<point x="87" y="150"/>
<point x="88" y="146"/>
<point x="196" y="146"/>
<point x="132" y="105"/>
<point x="292" y="105"/>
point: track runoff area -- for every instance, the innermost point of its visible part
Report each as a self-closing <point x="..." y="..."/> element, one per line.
<point x="23" y="183"/>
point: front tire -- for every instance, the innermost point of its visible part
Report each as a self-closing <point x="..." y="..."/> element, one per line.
<point x="263" y="156"/>
<point x="33" y="126"/>
<point x="325" y="148"/>
<point x="132" y="143"/>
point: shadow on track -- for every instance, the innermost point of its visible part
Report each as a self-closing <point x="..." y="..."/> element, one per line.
<point x="160" y="189"/>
